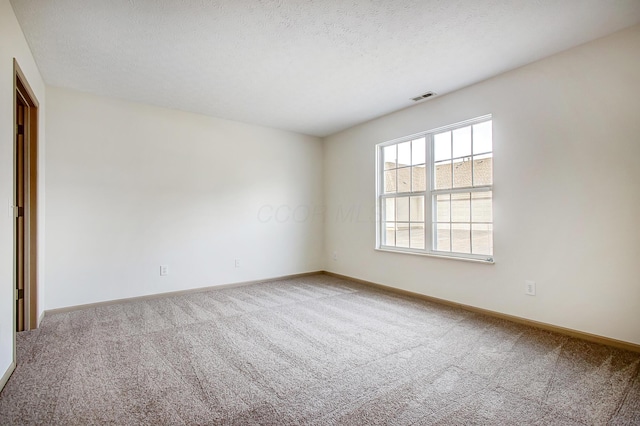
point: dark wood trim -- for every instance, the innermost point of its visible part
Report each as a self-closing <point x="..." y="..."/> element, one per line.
<point x="24" y="90"/>
<point x="21" y="77"/>
<point x="620" y="344"/>
<point x="33" y="217"/>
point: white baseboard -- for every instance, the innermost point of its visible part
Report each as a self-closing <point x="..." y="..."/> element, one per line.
<point x="7" y="374"/>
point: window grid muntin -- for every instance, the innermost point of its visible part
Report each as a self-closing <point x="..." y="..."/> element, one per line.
<point x="410" y="172"/>
<point x="458" y="190"/>
<point x="431" y="192"/>
<point x="451" y="222"/>
<point x="461" y="158"/>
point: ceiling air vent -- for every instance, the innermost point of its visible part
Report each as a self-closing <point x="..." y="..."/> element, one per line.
<point x="423" y="97"/>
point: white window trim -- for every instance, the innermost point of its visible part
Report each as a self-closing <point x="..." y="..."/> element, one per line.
<point x="428" y="195"/>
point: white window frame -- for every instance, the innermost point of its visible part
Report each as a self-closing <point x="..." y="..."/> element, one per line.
<point x="429" y="195"/>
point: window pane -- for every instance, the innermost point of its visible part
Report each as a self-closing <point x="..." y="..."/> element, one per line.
<point x="462" y="142"/>
<point x="419" y="181"/>
<point x="442" y="237"/>
<point x="482" y="239"/>
<point x="461" y="207"/>
<point x="461" y="174"/>
<point x="417" y="235"/>
<point x="418" y="151"/>
<point x="457" y="165"/>
<point x="481" y="208"/>
<point x="390" y="157"/>
<point x="482" y="170"/>
<point x="443" y="208"/>
<point x="390" y="210"/>
<point x="442" y="146"/>
<point x="461" y="237"/>
<point x="416" y="214"/>
<point x="482" y="138"/>
<point x="404" y="179"/>
<point x="404" y="154"/>
<point x="402" y="235"/>
<point x="442" y="175"/>
<point x="402" y="209"/>
<point x="389" y="234"/>
<point x="389" y="181"/>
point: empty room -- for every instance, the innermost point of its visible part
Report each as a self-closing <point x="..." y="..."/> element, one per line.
<point x="296" y="212"/>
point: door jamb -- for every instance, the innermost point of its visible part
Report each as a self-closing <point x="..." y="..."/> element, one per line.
<point x="22" y="88"/>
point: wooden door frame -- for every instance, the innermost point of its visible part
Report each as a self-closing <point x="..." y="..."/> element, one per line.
<point x="22" y="88"/>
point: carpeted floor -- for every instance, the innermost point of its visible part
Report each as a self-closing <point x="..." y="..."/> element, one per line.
<point x="313" y="350"/>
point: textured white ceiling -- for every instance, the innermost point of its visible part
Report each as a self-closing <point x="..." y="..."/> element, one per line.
<point x="314" y="67"/>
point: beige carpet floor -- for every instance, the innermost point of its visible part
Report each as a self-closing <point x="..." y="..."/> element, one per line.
<point x="315" y="350"/>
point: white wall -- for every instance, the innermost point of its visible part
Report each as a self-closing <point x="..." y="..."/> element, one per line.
<point x="13" y="45"/>
<point x="567" y="196"/>
<point x="131" y="187"/>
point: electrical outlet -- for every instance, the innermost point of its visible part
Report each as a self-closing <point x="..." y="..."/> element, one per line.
<point x="530" y="288"/>
<point x="335" y="256"/>
<point x="164" y="270"/>
<point x="237" y="263"/>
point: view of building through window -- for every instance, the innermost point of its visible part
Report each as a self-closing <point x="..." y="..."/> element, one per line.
<point x="436" y="191"/>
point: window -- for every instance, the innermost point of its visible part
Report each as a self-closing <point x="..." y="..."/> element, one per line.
<point x="435" y="191"/>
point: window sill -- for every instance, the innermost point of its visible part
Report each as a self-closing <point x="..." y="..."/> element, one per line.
<point x="439" y="256"/>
